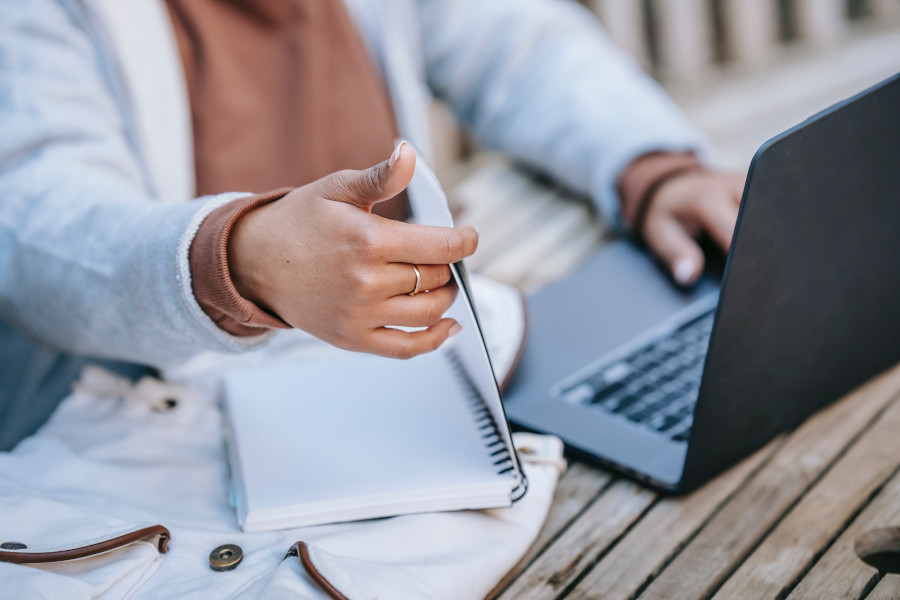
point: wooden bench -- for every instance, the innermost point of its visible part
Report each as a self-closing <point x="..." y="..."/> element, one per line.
<point x="779" y="525"/>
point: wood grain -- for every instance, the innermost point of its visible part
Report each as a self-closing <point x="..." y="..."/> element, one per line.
<point x="521" y="223"/>
<point x="839" y="573"/>
<point x="579" y="485"/>
<point x="887" y="589"/>
<point x="699" y="570"/>
<point x="820" y="516"/>
<point x="751" y="30"/>
<point x="624" y="21"/>
<point x="582" y="542"/>
<point x="665" y="528"/>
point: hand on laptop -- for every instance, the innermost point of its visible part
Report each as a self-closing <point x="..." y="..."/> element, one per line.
<point x="320" y="260"/>
<point x="695" y="202"/>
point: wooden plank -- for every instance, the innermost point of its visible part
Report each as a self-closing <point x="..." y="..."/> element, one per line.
<point x="536" y="243"/>
<point x="491" y="186"/>
<point x="887" y="589"/>
<point x="750" y="30"/>
<point x="524" y="215"/>
<point x="820" y="22"/>
<point x="740" y="113"/>
<point x="624" y="21"/>
<point x="734" y="531"/>
<point x="567" y="258"/>
<point x="524" y="223"/>
<point x="885" y="12"/>
<point x="446" y="145"/>
<point x="685" y="38"/>
<point x="820" y="516"/>
<point x="579" y="546"/>
<point x="579" y="485"/>
<point x="661" y="532"/>
<point x="839" y="573"/>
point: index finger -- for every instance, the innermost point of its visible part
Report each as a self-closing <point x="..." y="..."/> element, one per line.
<point x="718" y="218"/>
<point x="428" y="245"/>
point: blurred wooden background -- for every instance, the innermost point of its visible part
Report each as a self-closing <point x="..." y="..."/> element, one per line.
<point x="742" y="70"/>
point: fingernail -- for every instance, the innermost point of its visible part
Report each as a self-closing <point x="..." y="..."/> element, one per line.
<point x="455" y="329"/>
<point x="396" y="154"/>
<point x="684" y="271"/>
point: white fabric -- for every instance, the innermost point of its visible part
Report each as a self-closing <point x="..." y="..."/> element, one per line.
<point x="96" y="165"/>
<point x="537" y="79"/>
<point x="95" y="132"/>
<point x="143" y="47"/>
<point x="105" y="464"/>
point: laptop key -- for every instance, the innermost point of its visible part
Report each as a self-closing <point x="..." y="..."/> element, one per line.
<point x="655" y="386"/>
<point x="668" y="423"/>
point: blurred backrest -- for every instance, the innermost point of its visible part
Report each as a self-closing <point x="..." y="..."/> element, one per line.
<point x="686" y="41"/>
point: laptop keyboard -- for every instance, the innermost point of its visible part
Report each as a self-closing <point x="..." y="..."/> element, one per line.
<point x="656" y="385"/>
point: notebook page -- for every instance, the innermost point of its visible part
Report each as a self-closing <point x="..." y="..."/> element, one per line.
<point x="430" y="207"/>
<point x="353" y="434"/>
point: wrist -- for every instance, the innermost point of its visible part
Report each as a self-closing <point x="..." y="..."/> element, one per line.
<point x="217" y="270"/>
<point x="644" y="177"/>
<point x="242" y="256"/>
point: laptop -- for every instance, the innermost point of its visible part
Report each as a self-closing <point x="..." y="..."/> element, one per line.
<point x="672" y="386"/>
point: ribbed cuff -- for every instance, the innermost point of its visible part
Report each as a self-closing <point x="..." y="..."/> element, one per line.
<point x="211" y="280"/>
<point x="643" y="177"/>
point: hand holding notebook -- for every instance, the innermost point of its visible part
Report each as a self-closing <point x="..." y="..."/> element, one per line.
<point x="370" y="437"/>
<point x="321" y="260"/>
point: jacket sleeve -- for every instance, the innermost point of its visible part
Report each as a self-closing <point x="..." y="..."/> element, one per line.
<point x="89" y="263"/>
<point x="540" y="80"/>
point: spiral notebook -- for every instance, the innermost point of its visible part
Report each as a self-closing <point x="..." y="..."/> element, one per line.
<point x="368" y="437"/>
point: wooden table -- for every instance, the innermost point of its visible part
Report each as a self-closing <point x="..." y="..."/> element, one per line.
<point x="781" y="524"/>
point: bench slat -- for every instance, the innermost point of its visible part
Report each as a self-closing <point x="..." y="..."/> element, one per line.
<point x="734" y="532"/>
<point x="578" y="487"/>
<point x="820" y="22"/>
<point x="624" y="21"/>
<point x="661" y="532"/>
<point x="839" y="573"/>
<point x="751" y="28"/>
<point x="685" y="38"/>
<point x="582" y="543"/>
<point x="887" y="589"/>
<point x="794" y="545"/>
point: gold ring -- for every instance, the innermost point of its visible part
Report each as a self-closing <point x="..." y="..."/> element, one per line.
<point x="418" y="281"/>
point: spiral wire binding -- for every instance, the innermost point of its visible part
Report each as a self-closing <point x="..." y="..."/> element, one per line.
<point x="487" y="427"/>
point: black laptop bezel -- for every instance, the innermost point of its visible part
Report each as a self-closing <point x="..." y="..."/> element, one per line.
<point x="715" y="443"/>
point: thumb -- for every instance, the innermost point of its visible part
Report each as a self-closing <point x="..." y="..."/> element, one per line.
<point x="670" y="241"/>
<point x="369" y="186"/>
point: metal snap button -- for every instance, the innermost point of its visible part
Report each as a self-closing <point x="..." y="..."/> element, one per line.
<point x="225" y="557"/>
<point x="165" y="404"/>
<point x="13" y="546"/>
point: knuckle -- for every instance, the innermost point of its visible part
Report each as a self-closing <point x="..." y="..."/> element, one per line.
<point x="365" y="282"/>
<point x="452" y="246"/>
<point x="343" y="341"/>
<point x="342" y="331"/>
<point x="374" y="178"/>
<point x="443" y="275"/>
<point x="366" y="241"/>
<point x="404" y="351"/>
<point x="448" y="299"/>
<point x="336" y="185"/>
<point x="432" y="312"/>
<point x="471" y="244"/>
<point x="435" y="343"/>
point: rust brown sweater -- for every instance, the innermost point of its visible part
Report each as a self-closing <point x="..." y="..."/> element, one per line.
<point x="283" y="92"/>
